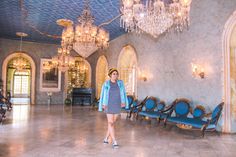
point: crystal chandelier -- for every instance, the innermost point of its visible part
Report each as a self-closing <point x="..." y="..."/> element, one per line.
<point x="86" y="37"/>
<point x="156" y="17"/>
<point x="47" y="66"/>
<point x="19" y="63"/>
<point x="63" y="60"/>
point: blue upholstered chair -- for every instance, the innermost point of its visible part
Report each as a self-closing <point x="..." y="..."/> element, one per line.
<point x="159" y="113"/>
<point x="148" y="107"/>
<point x="136" y="107"/>
<point x="199" y="112"/>
<point x="5" y="105"/>
<point x="211" y="124"/>
<point x="5" y="102"/>
<point x="130" y="102"/>
<point x="196" y="121"/>
<point x="178" y="112"/>
<point x="2" y="112"/>
<point x="95" y="103"/>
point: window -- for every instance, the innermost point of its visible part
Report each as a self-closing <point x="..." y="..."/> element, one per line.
<point x="127" y="65"/>
<point x="101" y="74"/>
<point x="21" y="83"/>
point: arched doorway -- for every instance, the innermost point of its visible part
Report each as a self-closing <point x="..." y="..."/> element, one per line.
<point x="19" y="81"/>
<point x="229" y="52"/>
<point x="101" y="74"/>
<point x="127" y="65"/>
<point x="78" y="77"/>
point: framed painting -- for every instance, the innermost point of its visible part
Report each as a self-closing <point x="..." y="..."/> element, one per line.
<point x="50" y="76"/>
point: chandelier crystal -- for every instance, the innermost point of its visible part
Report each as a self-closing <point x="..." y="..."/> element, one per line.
<point x="155" y="17"/>
<point x="47" y="66"/>
<point x="63" y="60"/>
<point x="20" y="64"/>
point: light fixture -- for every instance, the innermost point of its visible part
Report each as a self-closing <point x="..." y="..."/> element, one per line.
<point x="197" y="70"/>
<point x="155" y="17"/>
<point x="19" y="63"/>
<point x="86" y="37"/>
<point x="143" y="76"/>
<point x="63" y="60"/>
<point x="47" y="66"/>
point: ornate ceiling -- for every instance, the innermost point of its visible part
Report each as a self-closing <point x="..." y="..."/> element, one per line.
<point x="42" y="14"/>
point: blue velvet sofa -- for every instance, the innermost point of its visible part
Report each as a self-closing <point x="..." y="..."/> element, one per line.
<point x="180" y="115"/>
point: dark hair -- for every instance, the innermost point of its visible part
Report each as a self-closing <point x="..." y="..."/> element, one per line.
<point x="111" y="71"/>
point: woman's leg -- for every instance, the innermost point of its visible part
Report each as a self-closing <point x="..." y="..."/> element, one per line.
<point x="107" y="135"/>
<point x="110" y="120"/>
<point x="115" y="118"/>
<point x="108" y="132"/>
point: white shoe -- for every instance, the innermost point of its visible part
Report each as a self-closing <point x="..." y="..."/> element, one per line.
<point x="105" y="141"/>
<point x="115" y="145"/>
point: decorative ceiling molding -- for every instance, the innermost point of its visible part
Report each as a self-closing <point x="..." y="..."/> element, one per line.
<point x="28" y="23"/>
<point x="38" y="18"/>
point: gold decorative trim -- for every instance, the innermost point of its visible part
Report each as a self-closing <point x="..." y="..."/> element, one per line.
<point x="184" y="126"/>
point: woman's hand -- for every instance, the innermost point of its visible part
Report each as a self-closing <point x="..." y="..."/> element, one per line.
<point x="122" y="105"/>
<point x="104" y="107"/>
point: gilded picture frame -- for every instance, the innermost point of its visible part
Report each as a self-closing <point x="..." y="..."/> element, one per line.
<point x="50" y="76"/>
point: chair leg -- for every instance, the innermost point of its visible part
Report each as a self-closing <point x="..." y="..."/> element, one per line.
<point x="203" y="133"/>
<point x="130" y="114"/>
<point x="164" y="125"/>
<point x="159" y="120"/>
<point x="203" y="129"/>
<point x="217" y="133"/>
<point x="136" y="117"/>
<point x="127" y="115"/>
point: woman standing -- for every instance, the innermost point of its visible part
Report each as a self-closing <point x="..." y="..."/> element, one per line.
<point x="112" y="98"/>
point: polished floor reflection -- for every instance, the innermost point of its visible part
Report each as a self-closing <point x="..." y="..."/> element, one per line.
<point x="20" y="101"/>
<point x="57" y="131"/>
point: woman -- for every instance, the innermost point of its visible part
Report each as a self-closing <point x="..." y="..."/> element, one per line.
<point x="112" y="98"/>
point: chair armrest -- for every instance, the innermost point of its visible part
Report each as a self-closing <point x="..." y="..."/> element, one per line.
<point x="140" y="105"/>
<point x="132" y="108"/>
<point x="168" y="108"/>
<point x="207" y="114"/>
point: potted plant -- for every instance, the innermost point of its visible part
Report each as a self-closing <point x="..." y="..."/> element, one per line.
<point x="67" y="101"/>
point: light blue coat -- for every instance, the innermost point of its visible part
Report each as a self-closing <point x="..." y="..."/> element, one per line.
<point x="105" y="94"/>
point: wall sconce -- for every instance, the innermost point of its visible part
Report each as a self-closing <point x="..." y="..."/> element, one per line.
<point x="198" y="71"/>
<point x="143" y="76"/>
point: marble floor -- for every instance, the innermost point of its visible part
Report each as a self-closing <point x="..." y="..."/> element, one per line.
<point x="19" y="101"/>
<point x="57" y="131"/>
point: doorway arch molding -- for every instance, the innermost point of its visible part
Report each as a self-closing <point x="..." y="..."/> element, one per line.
<point x="228" y="28"/>
<point x="33" y="72"/>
